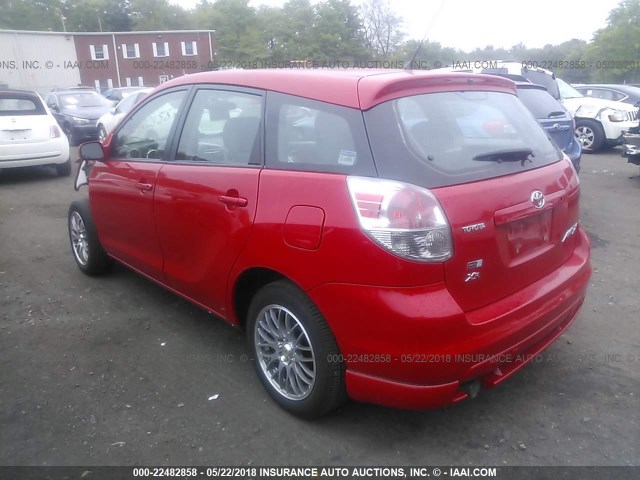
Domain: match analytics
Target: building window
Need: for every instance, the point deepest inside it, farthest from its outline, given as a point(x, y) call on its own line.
point(139, 80)
point(99, 52)
point(189, 48)
point(161, 49)
point(103, 85)
point(130, 50)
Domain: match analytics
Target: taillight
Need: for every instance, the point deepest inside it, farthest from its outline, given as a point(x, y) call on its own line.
point(403, 218)
point(54, 132)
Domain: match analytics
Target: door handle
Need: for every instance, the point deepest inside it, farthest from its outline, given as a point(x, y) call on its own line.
point(144, 187)
point(233, 201)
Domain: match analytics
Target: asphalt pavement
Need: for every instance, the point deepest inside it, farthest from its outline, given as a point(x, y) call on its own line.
point(118, 371)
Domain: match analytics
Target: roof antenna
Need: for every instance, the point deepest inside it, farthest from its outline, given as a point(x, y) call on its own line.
point(409, 66)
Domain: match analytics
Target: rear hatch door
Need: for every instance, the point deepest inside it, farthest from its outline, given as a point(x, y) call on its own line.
point(509, 196)
point(23, 118)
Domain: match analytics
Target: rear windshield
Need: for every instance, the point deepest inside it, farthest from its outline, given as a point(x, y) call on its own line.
point(13, 105)
point(449, 138)
point(540, 103)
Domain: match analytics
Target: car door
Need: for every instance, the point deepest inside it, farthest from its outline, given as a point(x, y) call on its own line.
point(205, 199)
point(121, 188)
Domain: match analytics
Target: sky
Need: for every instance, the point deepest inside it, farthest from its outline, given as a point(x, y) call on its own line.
point(470, 24)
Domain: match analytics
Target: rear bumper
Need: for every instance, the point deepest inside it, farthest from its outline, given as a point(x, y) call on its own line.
point(28, 155)
point(414, 347)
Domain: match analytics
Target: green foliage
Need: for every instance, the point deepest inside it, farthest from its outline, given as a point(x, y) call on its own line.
point(45, 15)
point(330, 32)
point(615, 50)
point(159, 15)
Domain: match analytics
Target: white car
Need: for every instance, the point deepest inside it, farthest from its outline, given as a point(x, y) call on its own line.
point(599, 122)
point(29, 133)
point(109, 120)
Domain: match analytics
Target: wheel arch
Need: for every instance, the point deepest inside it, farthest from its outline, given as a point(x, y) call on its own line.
point(246, 285)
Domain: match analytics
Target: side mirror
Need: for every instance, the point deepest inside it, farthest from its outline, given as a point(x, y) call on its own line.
point(92, 151)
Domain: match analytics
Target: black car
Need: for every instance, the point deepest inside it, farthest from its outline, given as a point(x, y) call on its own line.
point(621, 93)
point(77, 112)
point(553, 117)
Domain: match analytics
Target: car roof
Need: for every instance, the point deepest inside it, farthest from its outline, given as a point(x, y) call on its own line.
point(355, 88)
point(14, 91)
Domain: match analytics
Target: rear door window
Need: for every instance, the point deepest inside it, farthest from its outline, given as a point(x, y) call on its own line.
point(316, 136)
point(449, 138)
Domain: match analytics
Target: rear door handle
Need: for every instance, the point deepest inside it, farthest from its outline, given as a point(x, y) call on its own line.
point(144, 187)
point(233, 201)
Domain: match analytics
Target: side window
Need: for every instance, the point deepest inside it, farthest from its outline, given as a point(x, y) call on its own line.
point(146, 133)
point(316, 136)
point(617, 96)
point(222, 127)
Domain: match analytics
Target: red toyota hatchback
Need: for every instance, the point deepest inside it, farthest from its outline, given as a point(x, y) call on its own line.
point(396, 237)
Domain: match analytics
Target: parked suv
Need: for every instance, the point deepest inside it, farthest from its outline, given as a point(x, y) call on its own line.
point(553, 117)
point(620, 93)
point(396, 237)
point(599, 122)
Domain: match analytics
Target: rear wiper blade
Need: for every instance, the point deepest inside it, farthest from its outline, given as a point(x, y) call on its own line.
point(556, 114)
point(500, 156)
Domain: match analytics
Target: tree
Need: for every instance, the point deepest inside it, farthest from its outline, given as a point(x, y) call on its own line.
point(382, 27)
point(338, 34)
point(614, 51)
point(159, 15)
point(237, 29)
point(45, 15)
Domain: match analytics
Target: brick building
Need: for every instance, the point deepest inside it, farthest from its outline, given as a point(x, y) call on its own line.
point(44, 60)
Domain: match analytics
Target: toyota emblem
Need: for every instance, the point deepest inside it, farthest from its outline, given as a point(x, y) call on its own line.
point(537, 198)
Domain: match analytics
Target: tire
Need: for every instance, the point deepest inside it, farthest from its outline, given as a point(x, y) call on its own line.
point(281, 314)
point(102, 133)
point(64, 169)
point(590, 134)
point(85, 245)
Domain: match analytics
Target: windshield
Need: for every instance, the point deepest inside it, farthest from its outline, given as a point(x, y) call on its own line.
point(83, 100)
point(566, 90)
point(449, 138)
